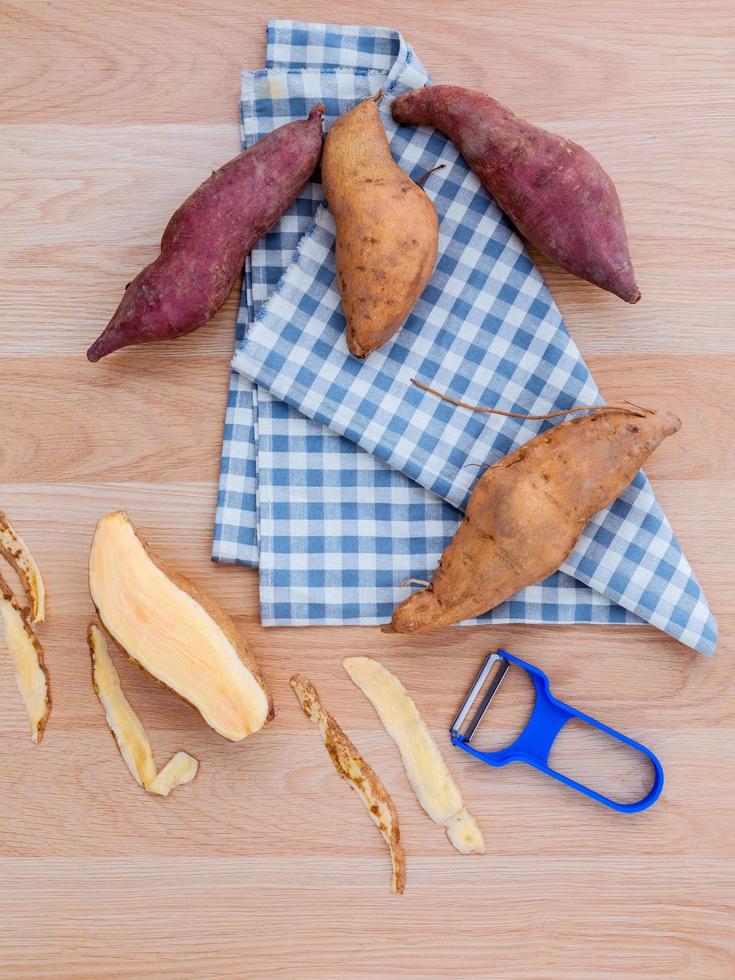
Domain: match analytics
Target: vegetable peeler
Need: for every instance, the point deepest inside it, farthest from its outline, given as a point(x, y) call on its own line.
point(535, 742)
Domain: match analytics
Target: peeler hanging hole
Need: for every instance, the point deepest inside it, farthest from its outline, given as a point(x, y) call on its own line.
point(601, 762)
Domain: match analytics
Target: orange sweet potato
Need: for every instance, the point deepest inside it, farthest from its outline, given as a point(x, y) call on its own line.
point(206, 241)
point(387, 229)
point(555, 192)
point(528, 510)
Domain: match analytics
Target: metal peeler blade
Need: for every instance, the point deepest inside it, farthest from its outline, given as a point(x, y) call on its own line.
point(477, 685)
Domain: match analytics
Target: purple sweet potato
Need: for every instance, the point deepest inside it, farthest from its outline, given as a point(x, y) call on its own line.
point(206, 241)
point(554, 191)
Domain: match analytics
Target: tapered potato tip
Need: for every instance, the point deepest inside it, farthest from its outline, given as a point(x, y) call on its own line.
point(417, 614)
point(98, 350)
point(108, 342)
point(671, 423)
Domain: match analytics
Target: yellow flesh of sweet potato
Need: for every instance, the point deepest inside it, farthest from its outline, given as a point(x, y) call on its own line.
point(425, 767)
point(355, 770)
point(130, 735)
point(174, 631)
point(15, 551)
point(27, 656)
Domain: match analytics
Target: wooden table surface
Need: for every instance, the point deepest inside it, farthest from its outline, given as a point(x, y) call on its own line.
point(111, 113)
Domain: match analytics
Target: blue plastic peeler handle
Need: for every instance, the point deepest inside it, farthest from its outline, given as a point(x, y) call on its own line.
point(534, 744)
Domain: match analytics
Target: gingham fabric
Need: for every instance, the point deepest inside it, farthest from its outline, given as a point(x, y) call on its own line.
point(343, 521)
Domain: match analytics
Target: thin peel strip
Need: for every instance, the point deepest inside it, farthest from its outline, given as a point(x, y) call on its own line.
point(16, 552)
point(425, 767)
point(180, 769)
point(31, 676)
point(130, 736)
point(362, 777)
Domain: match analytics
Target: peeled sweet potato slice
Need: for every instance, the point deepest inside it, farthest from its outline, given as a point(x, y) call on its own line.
point(30, 671)
point(426, 769)
point(174, 631)
point(127, 729)
point(362, 778)
point(15, 551)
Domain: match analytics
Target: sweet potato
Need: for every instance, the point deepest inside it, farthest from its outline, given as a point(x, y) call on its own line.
point(528, 510)
point(554, 191)
point(174, 631)
point(206, 241)
point(387, 229)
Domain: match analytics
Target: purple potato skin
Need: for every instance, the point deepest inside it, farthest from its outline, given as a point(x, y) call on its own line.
point(206, 241)
point(554, 191)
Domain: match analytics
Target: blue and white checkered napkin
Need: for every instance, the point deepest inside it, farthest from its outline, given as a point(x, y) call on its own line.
point(341, 477)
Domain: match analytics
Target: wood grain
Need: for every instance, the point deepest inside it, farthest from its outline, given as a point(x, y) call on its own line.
point(266, 866)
